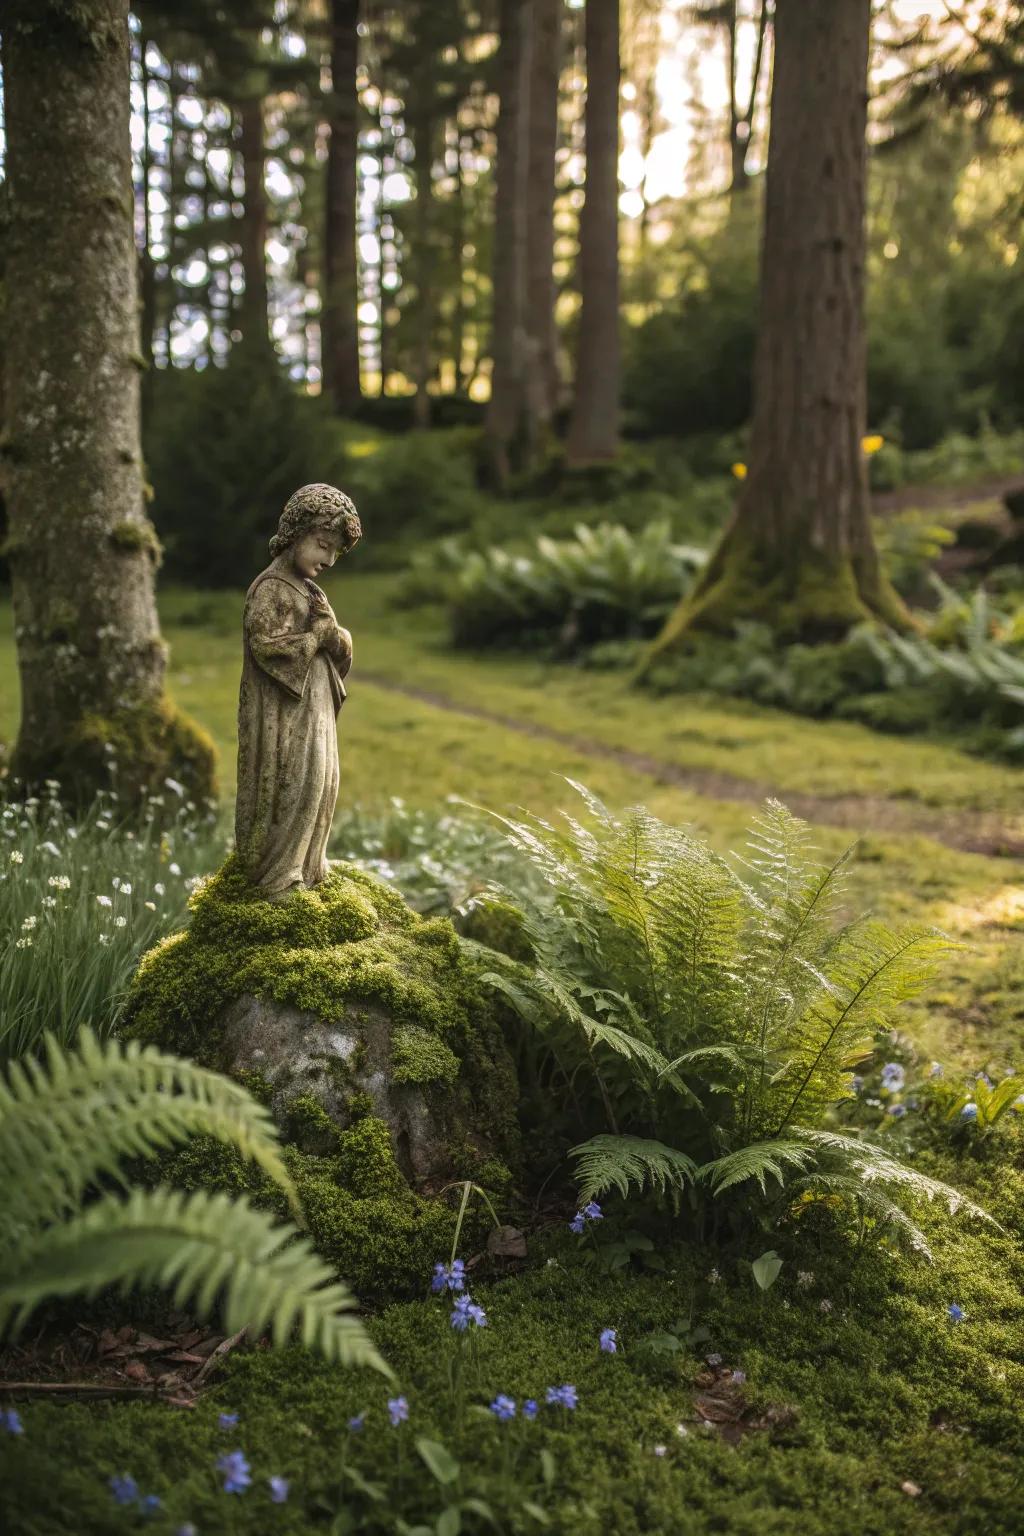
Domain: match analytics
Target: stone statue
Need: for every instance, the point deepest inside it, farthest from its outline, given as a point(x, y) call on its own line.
point(296, 655)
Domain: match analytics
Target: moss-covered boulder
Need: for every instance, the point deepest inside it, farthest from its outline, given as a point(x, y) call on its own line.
point(342, 1009)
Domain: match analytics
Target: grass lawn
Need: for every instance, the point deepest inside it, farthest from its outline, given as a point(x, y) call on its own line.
point(865, 1408)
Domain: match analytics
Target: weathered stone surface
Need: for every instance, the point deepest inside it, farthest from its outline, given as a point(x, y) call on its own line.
point(301, 1056)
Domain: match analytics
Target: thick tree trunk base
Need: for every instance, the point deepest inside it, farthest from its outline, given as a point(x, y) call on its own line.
point(133, 753)
point(817, 601)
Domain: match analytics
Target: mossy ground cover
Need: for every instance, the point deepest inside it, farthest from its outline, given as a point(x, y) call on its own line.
point(865, 1407)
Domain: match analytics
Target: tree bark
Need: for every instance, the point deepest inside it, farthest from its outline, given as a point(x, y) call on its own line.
point(799, 553)
point(82, 552)
point(508, 429)
point(594, 427)
point(339, 324)
point(254, 308)
point(540, 233)
point(421, 130)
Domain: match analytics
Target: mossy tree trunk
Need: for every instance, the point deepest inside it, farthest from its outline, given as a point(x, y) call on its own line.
point(799, 554)
point(82, 550)
point(339, 325)
point(594, 425)
point(254, 316)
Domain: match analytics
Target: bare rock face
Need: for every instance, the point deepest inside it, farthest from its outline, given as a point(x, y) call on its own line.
point(306, 1060)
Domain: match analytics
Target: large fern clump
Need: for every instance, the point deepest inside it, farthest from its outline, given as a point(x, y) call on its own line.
point(704, 1020)
point(68, 1224)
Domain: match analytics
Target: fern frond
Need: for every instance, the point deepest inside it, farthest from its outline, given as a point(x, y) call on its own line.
point(873, 1165)
point(761, 1160)
point(870, 1200)
point(203, 1247)
point(619, 1162)
point(68, 1121)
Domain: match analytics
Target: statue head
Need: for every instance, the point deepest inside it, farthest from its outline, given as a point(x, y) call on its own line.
point(318, 509)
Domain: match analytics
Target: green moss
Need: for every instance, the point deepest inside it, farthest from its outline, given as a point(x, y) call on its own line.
point(419, 1057)
point(346, 949)
point(152, 742)
point(134, 534)
point(813, 600)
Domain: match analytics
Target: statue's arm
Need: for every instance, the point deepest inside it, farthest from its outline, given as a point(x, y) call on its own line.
point(275, 618)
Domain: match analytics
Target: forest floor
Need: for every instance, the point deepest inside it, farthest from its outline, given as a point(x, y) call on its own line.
point(864, 1411)
point(939, 833)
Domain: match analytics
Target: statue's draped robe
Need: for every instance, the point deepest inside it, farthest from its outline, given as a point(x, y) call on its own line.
point(290, 695)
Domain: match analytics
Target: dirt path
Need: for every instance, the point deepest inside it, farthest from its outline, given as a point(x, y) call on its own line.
point(967, 831)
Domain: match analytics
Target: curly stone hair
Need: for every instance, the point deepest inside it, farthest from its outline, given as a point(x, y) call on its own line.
point(317, 506)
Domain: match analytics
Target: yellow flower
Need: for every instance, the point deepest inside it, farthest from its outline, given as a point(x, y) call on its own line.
point(740, 471)
point(871, 444)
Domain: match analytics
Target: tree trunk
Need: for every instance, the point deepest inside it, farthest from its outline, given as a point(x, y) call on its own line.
point(594, 428)
point(254, 311)
point(421, 130)
point(799, 553)
point(540, 233)
point(82, 551)
point(147, 266)
point(508, 429)
point(339, 324)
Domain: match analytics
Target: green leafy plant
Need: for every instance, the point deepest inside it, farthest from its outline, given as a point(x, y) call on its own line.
point(604, 583)
point(715, 1011)
point(65, 1128)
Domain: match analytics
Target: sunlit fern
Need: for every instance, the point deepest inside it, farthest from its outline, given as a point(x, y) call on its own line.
point(718, 1010)
point(67, 1124)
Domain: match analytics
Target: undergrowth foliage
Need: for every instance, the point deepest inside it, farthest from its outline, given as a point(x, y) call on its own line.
point(704, 1020)
point(66, 1127)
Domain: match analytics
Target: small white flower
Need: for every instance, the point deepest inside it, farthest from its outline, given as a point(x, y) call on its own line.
point(29, 922)
point(32, 802)
point(52, 783)
point(25, 943)
point(156, 799)
point(72, 832)
point(126, 889)
point(824, 1305)
point(104, 901)
point(159, 888)
point(17, 857)
point(174, 787)
point(103, 826)
point(49, 901)
point(150, 906)
point(174, 869)
point(804, 1278)
point(660, 1450)
point(104, 938)
point(713, 1277)
point(49, 847)
point(60, 882)
point(120, 922)
point(682, 1431)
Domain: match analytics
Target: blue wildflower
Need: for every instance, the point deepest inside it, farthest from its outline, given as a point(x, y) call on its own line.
point(738, 1378)
point(561, 1397)
point(227, 1420)
point(188, 1529)
point(592, 1211)
point(897, 1110)
point(278, 1489)
point(956, 1314)
point(608, 1340)
point(150, 1504)
point(504, 1408)
point(935, 1070)
point(356, 1423)
point(449, 1278)
point(124, 1488)
point(856, 1083)
point(577, 1223)
point(530, 1408)
point(465, 1312)
point(10, 1421)
point(969, 1112)
point(398, 1411)
point(236, 1470)
point(893, 1076)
